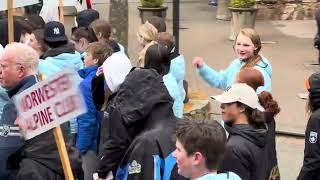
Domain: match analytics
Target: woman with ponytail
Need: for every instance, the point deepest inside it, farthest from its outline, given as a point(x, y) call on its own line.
point(244, 121)
point(311, 162)
point(247, 47)
point(254, 79)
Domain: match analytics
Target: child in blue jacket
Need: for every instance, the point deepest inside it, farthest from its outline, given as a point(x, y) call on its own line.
point(89, 123)
point(247, 47)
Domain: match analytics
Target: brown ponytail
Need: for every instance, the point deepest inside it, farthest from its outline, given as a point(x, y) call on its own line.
point(251, 62)
point(269, 104)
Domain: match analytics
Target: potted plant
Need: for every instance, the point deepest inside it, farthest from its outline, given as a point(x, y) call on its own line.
point(152, 8)
point(243, 15)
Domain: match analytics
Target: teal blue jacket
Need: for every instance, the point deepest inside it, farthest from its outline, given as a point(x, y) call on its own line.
point(174, 83)
point(52, 65)
point(225, 78)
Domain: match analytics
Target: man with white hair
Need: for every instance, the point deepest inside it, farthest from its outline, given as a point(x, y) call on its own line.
point(37, 158)
point(18, 69)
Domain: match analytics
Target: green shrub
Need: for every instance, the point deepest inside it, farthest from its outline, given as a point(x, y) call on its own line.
point(242, 3)
point(151, 3)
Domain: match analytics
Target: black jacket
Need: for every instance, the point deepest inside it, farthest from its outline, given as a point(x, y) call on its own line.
point(9, 144)
point(150, 154)
point(245, 152)
point(66, 48)
point(271, 151)
point(136, 102)
point(311, 163)
point(41, 160)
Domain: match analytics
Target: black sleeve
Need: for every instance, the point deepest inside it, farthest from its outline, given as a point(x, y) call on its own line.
point(116, 145)
point(311, 162)
point(97, 90)
point(234, 161)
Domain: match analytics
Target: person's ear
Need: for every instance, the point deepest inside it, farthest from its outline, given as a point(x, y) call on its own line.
point(21, 70)
point(197, 158)
point(95, 61)
point(82, 42)
point(242, 109)
point(99, 35)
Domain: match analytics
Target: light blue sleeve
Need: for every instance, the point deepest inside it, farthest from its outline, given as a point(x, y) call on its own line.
point(214, 78)
point(267, 82)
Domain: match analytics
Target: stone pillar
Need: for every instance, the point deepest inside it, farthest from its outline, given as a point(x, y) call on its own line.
point(223, 13)
point(118, 17)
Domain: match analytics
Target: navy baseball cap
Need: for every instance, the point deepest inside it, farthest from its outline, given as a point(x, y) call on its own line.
point(54, 32)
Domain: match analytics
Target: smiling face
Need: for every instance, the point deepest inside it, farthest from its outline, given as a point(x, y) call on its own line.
point(244, 47)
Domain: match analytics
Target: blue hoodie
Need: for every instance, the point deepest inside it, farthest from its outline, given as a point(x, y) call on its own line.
point(88, 123)
point(222, 176)
point(174, 83)
point(225, 78)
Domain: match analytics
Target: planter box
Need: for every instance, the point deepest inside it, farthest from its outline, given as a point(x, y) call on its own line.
point(241, 18)
point(145, 13)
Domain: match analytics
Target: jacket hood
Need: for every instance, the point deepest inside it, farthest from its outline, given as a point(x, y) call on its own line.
point(265, 65)
point(115, 69)
point(83, 73)
point(141, 92)
point(256, 136)
point(60, 62)
point(177, 68)
point(85, 17)
point(67, 48)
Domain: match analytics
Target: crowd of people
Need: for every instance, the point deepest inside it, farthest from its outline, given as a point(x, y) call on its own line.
point(133, 112)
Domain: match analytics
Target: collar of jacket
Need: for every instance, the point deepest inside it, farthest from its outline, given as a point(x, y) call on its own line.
point(86, 71)
point(67, 48)
point(26, 82)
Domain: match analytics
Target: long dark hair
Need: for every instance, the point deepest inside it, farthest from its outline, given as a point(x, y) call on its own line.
point(255, 117)
point(158, 58)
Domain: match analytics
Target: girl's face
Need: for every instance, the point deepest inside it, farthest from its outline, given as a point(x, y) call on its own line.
point(34, 43)
point(79, 45)
point(230, 112)
point(140, 40)
point(25, 38)
point(244, 47)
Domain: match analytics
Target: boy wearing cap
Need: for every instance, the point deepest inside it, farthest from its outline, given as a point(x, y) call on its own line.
point(200, 146)
point(245, 151)
point(61, 54)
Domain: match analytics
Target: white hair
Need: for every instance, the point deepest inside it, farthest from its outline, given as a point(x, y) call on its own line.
point(24, 55)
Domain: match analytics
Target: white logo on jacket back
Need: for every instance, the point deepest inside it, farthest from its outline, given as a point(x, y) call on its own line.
point(313, 137)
